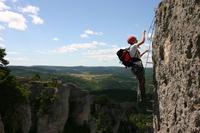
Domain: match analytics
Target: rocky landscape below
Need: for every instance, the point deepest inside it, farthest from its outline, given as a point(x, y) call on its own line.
point(68, 109)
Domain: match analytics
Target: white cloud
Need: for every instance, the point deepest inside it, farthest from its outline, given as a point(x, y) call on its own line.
point(79, 46)
point(30, 9)
point(3, 6)
point(84, 36)
point(36, 20)
point(99, 51)
point(89, 32)
point(14, 20)
point(107, 54)
point(32, 12)
point(55, 38)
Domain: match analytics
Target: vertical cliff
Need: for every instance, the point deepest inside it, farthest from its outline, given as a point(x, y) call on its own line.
point(176, 53)
point(49, 107)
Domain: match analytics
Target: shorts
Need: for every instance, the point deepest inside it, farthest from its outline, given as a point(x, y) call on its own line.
point(138, 70)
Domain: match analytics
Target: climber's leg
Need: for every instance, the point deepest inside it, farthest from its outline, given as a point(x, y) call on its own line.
point(138, 70)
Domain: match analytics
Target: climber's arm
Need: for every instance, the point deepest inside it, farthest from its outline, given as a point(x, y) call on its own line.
point(144, 53)
point(127, 48)
point(143, 39)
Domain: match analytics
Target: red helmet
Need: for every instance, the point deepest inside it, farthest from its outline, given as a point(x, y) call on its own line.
point(132, 40)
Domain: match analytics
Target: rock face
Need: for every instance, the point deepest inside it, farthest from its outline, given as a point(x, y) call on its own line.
point(80, 102)
point(110, 117)
point(50, 107)
point(90, 114)
point(176, 57)
point(53, 121)
point(22, 119)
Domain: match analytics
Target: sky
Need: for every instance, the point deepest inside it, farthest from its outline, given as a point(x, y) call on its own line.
point(72, 32)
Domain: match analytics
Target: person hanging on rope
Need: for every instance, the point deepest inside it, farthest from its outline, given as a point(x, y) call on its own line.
point(137, 66)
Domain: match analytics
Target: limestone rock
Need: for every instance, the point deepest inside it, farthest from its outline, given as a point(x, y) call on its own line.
point(176, 57)
point(53, 121)
point(80, 102)
point(22, 118)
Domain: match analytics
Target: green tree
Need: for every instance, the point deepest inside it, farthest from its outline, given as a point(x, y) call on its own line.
point(4, 72)
point(3, 62)
point(36, 77)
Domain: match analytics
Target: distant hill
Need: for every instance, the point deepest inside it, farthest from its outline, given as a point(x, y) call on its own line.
point(98, 80)
point(75, 70)
point(60, 69)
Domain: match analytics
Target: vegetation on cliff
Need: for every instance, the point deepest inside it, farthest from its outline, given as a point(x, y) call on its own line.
point(12, 94)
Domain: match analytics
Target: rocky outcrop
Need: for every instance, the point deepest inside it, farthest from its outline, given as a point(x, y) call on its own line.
point(110, 117)
point(80, 104)
point(46, 112)
point(54, 119)
point(176, 57)
point(22, 119)
point(50, 107)
point(18, 121)
point(91, 114)
point(65, 108)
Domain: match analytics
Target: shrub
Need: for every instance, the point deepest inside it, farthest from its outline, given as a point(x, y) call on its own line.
point(142, 121)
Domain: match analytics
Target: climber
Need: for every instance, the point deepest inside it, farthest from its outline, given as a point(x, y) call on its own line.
point(137, 66)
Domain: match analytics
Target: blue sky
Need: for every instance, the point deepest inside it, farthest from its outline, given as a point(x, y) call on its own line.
point(71, 32)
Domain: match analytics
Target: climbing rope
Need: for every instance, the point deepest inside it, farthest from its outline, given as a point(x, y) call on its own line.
point(151, 32)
